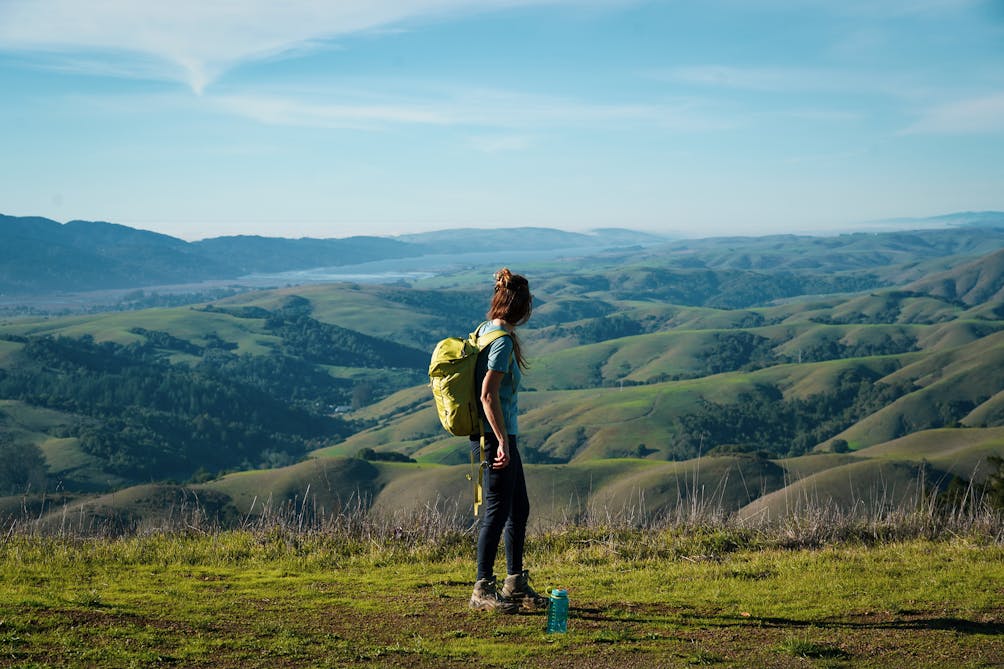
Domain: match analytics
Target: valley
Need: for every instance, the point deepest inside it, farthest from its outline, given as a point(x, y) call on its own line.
point(749, 376)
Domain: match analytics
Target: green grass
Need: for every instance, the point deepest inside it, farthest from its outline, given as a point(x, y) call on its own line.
point(326, 484)
point(866, 487)
point(8, 348)
point(670, 598)
point(28, 418)
point(800, 646)
point(184, 322)
point(961, 451)
point(877, 484)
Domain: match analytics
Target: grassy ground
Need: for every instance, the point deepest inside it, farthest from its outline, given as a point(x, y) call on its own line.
point(639, 599)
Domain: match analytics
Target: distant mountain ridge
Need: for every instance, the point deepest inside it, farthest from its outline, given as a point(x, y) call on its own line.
point(39, 255)
point(957, 219)
point(251, 254)
point(447, 241)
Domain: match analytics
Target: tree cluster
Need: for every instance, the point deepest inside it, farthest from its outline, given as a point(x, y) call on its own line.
point(150, 419)
point(763, 420)
point(382, 456)
point(326, 344)
point(734, 351)
point(22, 467)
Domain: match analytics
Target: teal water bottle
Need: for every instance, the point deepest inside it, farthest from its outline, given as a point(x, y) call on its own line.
point(557, 611)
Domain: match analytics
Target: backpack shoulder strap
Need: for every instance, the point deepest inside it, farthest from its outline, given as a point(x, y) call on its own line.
point(488, 338)
point(484, 340)
point(481, 341)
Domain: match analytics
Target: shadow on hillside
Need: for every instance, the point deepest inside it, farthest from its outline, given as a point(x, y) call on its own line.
point(912, 621)
point(959, 625)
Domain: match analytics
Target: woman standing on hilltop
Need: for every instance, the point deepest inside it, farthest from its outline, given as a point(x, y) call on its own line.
point(507, 506)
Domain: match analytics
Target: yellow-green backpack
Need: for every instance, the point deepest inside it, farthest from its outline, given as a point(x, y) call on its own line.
point(452, 378)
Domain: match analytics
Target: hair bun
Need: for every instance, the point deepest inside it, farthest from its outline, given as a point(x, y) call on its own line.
point(503, 277)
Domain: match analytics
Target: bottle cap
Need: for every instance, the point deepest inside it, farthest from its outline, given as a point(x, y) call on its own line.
point(559, 592)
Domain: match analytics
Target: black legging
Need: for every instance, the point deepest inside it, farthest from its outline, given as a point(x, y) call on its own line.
point(506, 509)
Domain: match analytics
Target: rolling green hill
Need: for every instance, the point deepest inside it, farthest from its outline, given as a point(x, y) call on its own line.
point(960, 452)
point(875, 486)
point(728, 372)
point(974, 283)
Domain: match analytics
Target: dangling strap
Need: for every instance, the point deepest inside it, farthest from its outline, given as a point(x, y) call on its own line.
point(479, 492)
point(478, 477)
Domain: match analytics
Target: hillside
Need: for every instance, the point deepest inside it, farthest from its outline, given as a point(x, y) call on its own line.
point(742, 373)
point(974, 283)
point(251, 254)
point(39, 256)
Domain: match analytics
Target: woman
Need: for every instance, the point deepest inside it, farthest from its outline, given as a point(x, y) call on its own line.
point(506, 507)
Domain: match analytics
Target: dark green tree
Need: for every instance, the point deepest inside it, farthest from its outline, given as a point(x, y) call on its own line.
point(22, 467)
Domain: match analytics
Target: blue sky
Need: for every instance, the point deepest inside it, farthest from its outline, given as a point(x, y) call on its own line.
point(200, 118)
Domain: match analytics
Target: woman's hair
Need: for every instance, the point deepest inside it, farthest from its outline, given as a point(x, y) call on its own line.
point(513, 303)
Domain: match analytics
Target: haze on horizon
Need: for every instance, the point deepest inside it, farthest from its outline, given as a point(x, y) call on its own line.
point(203, 118)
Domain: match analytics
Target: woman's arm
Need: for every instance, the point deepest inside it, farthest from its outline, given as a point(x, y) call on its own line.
point(493, 412)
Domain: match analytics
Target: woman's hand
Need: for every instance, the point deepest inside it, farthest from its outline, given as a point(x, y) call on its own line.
point(501, 457)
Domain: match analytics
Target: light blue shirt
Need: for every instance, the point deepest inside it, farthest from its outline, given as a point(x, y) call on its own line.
point(498, 356)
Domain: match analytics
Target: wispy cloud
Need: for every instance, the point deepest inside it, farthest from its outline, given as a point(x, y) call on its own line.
point(864, 8)
point(826, 158)
point(459, 107)
point(976, 106)
point(500, 143)
point(791, 79)
point(294, 112)
point(981, 115)
point(195, 41)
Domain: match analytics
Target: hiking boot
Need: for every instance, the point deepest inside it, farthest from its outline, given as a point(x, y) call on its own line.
point(517, 589)
point(486, 597)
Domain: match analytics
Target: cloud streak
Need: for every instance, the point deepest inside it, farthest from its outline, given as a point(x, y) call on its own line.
point(287, 111)
point(196, 41)
point(500, 143)
point(792, 80)
point(980, 115)
point(883, 9)
point(493, 109)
